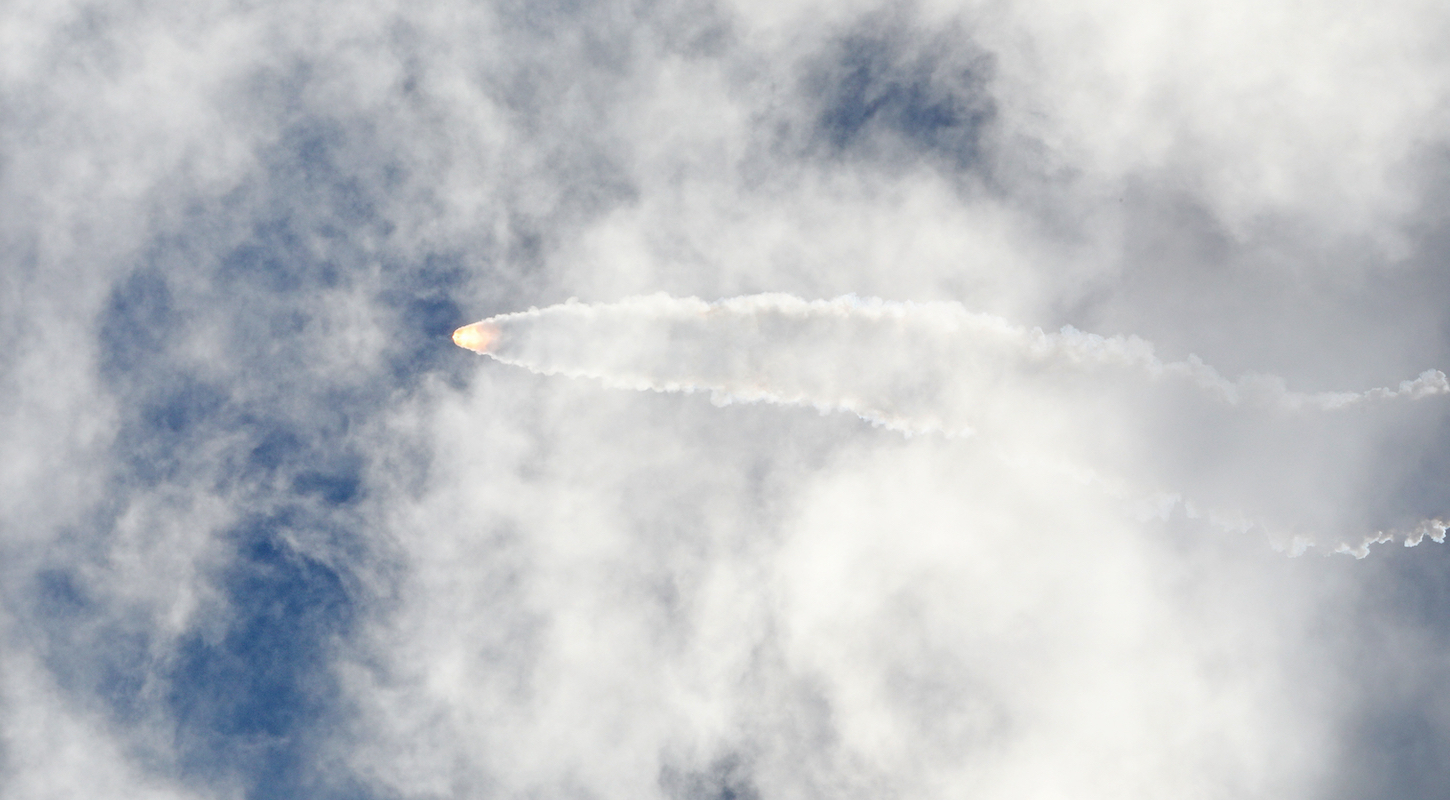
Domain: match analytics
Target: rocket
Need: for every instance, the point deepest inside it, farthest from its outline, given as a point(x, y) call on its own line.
point(478, 337)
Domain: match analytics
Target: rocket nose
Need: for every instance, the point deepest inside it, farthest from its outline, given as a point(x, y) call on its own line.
point(478, 337)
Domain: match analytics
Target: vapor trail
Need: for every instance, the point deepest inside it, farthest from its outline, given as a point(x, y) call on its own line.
point(936, 367)
point(912, 367)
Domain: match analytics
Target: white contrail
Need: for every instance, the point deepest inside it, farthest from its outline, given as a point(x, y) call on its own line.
point(852, 354)
point(930, 367)
point(1434, 528)
point(843, 354)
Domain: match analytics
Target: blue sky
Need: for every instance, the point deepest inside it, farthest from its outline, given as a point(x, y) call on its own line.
point(266, 533)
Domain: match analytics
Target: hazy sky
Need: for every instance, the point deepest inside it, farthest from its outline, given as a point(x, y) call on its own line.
point(266, 533)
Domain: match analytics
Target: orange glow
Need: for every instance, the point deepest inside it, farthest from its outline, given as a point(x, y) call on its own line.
point(477, 337)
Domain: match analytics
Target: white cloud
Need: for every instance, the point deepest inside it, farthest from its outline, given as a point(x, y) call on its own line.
point(562, 589)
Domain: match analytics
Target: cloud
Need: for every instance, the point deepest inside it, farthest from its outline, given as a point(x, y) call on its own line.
point(266, 533)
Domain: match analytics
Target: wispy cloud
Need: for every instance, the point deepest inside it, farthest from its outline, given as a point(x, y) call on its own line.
point(265, 533)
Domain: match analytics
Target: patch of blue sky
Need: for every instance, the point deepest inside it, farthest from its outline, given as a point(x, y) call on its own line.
point(253, 703)
point(251, 694)
point(884, 93)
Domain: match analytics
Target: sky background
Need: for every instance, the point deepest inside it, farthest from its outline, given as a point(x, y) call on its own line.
point(266, 533)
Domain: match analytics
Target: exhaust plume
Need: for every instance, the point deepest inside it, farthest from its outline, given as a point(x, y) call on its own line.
point(936, 367)
point(779, 348)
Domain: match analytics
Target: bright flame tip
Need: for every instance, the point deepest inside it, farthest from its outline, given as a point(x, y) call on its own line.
point(478, 337)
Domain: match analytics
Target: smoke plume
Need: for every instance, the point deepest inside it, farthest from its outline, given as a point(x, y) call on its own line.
point(1096, 403)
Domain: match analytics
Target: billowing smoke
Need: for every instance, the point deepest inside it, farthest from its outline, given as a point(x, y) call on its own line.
point(1235, 456)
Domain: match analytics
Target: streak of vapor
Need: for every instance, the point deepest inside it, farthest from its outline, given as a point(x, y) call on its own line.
point(916, 368)
point(730, 349)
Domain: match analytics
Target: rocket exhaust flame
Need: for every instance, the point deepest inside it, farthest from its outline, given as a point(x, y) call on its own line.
point(478, 337)
point(937, 368)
